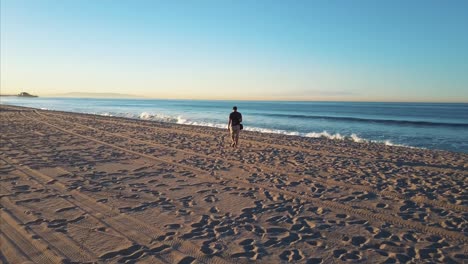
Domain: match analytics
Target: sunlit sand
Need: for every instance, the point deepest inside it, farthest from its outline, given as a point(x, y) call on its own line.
point(85, 188)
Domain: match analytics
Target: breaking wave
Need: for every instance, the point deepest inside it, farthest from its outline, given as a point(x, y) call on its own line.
point(184, 121)
point(157, 117)
point(370, 120)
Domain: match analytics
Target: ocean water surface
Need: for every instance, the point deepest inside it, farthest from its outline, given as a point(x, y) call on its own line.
point(439, 126)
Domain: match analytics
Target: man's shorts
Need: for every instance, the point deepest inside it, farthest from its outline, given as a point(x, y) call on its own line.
point(235, 130)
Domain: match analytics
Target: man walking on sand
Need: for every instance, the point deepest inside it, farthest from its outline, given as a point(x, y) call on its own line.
point(234, 126)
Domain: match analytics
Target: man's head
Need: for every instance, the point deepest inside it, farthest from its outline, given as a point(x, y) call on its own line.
point(234, 108)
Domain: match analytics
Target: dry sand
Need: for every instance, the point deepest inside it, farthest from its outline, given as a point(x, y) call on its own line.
point(85, 188)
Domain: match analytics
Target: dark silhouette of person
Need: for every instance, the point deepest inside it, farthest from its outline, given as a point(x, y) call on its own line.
point(234, 126)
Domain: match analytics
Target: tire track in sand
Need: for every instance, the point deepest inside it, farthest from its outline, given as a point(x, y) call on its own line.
point(36, 250)
point(129, 227)
point(180, 129)
point(315, 201)
point(418, 199)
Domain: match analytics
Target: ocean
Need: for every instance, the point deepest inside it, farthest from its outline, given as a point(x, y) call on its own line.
point(440, 126)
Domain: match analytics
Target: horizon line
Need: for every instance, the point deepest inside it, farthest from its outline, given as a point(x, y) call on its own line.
point(139, 97)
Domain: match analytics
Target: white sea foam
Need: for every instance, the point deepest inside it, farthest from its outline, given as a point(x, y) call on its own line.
point(325, 134)
point(274, 131)
point(157, 117)
point(389, 143)
point(185, 121)
point(145, 115)
point(356, 138)
point(353, 137)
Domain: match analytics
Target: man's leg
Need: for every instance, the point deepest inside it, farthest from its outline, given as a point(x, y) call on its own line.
point(237, 138)
point(233, 137)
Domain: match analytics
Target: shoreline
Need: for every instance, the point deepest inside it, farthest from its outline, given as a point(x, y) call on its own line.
point(94, 188)
point(268, 131)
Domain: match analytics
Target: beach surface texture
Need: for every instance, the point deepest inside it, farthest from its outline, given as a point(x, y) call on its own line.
point(84, 188)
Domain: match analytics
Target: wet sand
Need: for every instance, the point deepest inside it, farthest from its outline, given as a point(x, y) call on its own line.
point(85, 188)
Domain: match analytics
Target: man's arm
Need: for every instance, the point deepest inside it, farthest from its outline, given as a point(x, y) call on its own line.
point(229, 123)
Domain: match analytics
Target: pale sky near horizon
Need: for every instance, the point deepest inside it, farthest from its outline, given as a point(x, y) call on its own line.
point(261, 50)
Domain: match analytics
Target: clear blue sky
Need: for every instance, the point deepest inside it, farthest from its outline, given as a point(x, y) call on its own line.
point(286, 50)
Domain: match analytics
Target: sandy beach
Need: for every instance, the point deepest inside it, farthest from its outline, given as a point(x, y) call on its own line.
point(85, 189)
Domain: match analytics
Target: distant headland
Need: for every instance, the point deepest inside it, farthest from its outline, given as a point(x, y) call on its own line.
point(22, 94)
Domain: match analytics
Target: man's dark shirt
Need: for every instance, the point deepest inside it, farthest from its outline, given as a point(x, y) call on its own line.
point(235, 118)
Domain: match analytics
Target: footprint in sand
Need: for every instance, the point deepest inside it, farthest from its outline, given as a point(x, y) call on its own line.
point(159, 249)
point(214, 210)
point(184, 212)
point(187, 260)
point(65, 209)
point(381, 205)
point(358, 241)
point(314, 261)
point(337, 253)
point(165, 237)
point(172, 226)
point(316, 243)
point(291, 255)
point(210, 198)
point(351, 256)
point(319, 210)
point(383, 234)
point(249, 255)
point(342, 216)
